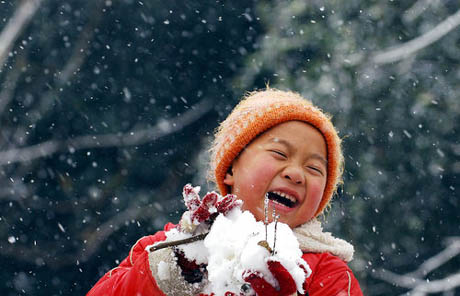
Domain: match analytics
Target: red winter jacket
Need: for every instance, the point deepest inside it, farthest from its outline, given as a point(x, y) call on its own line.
point(330, 275)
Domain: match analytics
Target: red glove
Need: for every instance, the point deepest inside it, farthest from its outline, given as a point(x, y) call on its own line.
point(200, 212)
point(262, 287)
point(209, 207)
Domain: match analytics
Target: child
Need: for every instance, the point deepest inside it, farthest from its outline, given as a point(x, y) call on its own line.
point(274, 144)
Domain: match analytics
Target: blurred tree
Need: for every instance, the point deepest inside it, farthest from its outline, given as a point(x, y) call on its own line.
point(103, 105)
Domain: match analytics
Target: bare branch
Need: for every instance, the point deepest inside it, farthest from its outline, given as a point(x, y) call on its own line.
point(39, 255)
point(29, 153)
point(92, 238)
point(397, 279)
point(417, 9)
point(72, 65)
point(79, 53)
point(9, 85)
point(400, 52)
point(137, 137)
point(446, 284)
point(405, 50)
point(178, 242)
point(17, 191)
point(13, 187)
point(415, 280)
point(439, 259)
point(15, 26)
point(135, 211)
point(99, 236)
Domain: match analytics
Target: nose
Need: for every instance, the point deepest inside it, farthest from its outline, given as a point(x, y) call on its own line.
point(294, 174)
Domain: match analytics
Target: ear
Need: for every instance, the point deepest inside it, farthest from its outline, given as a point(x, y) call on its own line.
point(229, 180)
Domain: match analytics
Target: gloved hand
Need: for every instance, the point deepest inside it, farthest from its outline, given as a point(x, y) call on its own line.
point(200, 211)
point(174, 273)
point(204, 211)
point(287, 285)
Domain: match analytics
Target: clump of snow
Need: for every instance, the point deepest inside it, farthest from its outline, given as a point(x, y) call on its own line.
point(231, 248)
point(232, 245)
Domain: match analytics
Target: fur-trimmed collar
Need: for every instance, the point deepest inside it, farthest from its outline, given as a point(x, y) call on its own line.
point(312, 239)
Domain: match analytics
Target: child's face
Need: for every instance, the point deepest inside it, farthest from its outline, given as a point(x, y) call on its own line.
point(289, 163)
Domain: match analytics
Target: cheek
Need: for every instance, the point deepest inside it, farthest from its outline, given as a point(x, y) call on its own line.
point(262, 175)
point(315, 191)
point(252, 183)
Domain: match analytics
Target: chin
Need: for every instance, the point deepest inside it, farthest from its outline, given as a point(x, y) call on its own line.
point(290, 223)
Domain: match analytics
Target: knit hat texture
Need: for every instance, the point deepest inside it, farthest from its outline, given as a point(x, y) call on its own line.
point(260, 111)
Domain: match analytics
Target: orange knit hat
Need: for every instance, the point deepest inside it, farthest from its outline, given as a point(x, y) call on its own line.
point(260, 111)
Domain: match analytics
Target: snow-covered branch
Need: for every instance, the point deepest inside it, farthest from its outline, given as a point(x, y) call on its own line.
point(416, 282)
point(15, 192)
point(9, 85)
point(79, 53)
point(452, 250)
point(417, 9)
point(397, 279)
point(15, 26)
point(446, 284)
point(99, 235)
point(400, 52)
point(135, 137)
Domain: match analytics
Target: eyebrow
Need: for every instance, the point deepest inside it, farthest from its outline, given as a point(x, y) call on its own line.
point(290, 146)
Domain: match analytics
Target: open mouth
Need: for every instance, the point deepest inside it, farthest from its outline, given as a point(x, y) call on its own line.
point(282, 198)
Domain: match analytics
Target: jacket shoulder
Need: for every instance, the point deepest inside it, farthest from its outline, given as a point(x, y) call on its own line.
point(330, 276)
point(133, 275)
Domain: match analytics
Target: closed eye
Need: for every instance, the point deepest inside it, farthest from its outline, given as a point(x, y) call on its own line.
point(278, 153)
point(318, 170)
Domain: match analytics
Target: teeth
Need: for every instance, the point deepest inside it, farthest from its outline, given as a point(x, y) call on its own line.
point(287, 196)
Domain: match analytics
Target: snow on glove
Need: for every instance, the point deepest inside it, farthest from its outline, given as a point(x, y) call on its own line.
point(191, 271)
point(287, 285)
point(174, 272)
point(169, 274)
point(226, 294)
point(204, 211)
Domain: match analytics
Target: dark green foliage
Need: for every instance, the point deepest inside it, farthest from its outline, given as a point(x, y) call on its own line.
point(92, 68)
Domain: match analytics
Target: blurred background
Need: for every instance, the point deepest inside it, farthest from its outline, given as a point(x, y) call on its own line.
point(107, 108)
